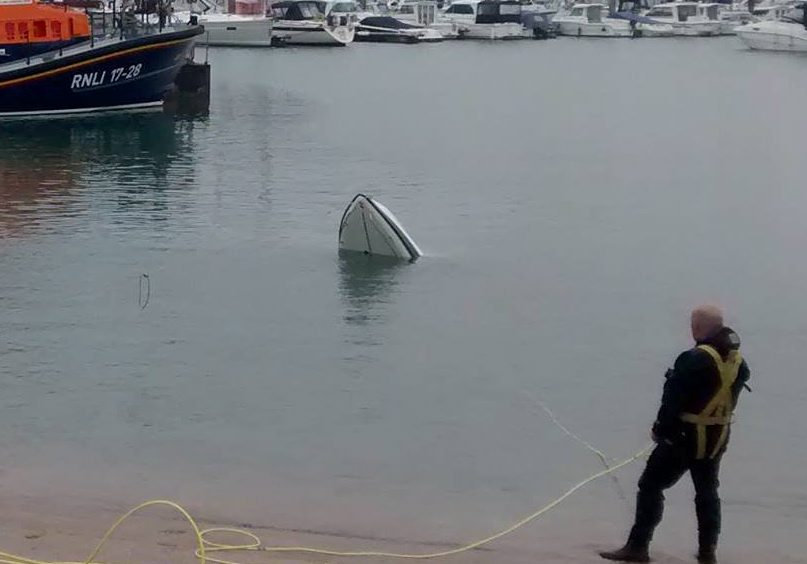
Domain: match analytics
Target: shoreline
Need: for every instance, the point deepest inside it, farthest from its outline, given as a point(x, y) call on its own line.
point(68, 528)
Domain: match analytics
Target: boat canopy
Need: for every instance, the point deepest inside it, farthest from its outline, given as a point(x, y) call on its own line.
point(306, 10)
point(494, 11)
point(25, 23)
point(798, 14)
point(386, 22)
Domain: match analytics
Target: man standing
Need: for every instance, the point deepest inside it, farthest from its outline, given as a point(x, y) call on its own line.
point(691, 433)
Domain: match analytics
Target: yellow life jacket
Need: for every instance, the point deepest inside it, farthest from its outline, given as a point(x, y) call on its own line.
point(720, 408)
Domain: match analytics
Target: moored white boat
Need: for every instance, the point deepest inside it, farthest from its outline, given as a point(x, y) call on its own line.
point(727, 16)
point(386, 29)
point(426, 14)
point(678, 19)
point(302, 22)
point(232, 30)
point(232, 23)
point(787, 34)
point(376, 26)
point(487, 19)
point(590, 20)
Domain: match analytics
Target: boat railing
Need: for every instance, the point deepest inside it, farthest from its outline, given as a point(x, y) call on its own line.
point(130, 19)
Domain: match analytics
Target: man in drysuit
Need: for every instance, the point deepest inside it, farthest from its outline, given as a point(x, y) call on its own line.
point(691, 433)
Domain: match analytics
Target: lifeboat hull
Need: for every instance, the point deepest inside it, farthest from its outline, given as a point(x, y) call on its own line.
point(112, 74)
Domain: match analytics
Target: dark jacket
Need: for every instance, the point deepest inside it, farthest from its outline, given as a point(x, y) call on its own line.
point(690, 386)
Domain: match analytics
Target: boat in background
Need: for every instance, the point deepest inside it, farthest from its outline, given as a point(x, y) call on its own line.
point(423, 13)
point(680, 19)
point(238, 23)
point(591, 20)
point(305, 22)
point(50, 66)
point(234, 30)
point(726, 15)
point(537, 16)
point(376, 24)
point(771, 11)
point(786, 34)
point(386, 29)
point(487, 19)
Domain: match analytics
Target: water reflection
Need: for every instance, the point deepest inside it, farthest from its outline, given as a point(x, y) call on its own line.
point(366, 285)
point(60, 168)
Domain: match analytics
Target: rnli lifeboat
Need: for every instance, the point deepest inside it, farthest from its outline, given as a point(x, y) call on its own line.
point(54, 60)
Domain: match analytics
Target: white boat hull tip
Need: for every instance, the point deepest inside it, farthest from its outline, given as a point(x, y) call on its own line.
point(368, 227)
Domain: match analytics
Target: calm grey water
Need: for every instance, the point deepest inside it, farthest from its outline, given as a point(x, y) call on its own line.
point(574, 198)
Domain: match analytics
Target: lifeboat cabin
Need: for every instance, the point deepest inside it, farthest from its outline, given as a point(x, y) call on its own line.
point(28, 28)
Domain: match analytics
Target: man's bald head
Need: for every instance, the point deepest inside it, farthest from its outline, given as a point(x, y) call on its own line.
point(706, 321)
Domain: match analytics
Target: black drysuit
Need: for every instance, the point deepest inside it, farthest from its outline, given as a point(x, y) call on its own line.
point(689, 388)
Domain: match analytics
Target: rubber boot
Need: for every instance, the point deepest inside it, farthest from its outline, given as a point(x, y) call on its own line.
point(707, 555)
point(628, 553)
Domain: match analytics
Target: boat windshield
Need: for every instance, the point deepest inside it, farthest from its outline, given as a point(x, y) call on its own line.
point(498, 12)
point(577, 12)
point(660, 13)
point(711, 12)
point(345, 8)
point(460, 9)
point(687, 11)
point(297, 11)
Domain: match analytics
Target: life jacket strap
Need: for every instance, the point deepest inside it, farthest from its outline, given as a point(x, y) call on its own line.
point(720, 409)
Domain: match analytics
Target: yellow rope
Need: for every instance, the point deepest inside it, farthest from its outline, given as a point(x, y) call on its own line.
point(207, 547)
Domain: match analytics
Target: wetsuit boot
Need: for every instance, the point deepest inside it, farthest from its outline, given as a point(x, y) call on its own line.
point(706, 555)
point(628, 553)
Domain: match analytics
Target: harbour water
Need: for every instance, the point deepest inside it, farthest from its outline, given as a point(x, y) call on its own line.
point(574, 199)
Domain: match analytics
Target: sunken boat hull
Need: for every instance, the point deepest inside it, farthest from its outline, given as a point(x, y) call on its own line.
point(368, 227)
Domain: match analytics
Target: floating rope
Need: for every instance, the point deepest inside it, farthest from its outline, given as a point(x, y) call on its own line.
point(143, 298)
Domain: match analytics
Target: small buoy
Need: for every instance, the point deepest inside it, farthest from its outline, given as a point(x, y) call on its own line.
point(369, 227)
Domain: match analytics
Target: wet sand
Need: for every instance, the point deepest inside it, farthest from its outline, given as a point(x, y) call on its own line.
point(68, 528)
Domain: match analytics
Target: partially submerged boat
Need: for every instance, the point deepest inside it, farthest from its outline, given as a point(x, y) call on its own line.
point(369, 227)
point(58, 60)
point(789, 33)
point(305, 22)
